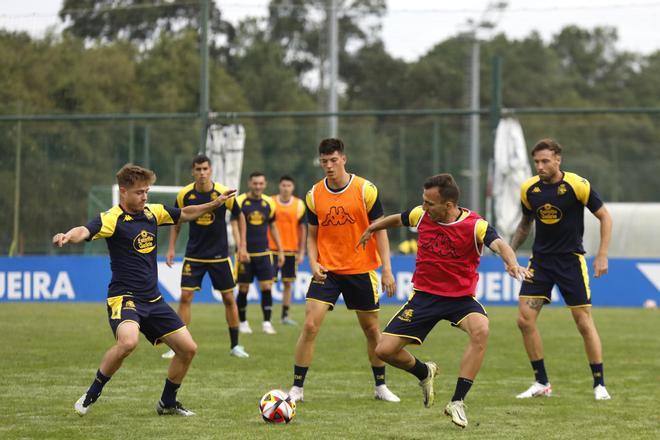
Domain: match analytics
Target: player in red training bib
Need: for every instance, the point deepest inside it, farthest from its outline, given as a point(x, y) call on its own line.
point(449, 245)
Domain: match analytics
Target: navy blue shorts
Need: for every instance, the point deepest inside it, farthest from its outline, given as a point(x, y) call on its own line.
point(288, 270)
point(260, 266)
point(568, 271)
point(155, 318)
point(360, 291)
point(421, 313)
point(220, 271)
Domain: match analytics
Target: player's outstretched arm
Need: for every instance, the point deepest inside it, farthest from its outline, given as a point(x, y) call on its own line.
point(74, 235)
point(383, 223)
point(600, 262)
point(174, 234)
point(511, 265)
point(192, 212)
point(522, 231)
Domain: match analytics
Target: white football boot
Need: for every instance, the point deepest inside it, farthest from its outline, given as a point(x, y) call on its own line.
point(537, 389)
point(79, 406)
point(176, 410)
point(268, 328)
point(427, 384)
point(296, 394)
point(456, 410)
point(244, 327)
point(381, 392)
point(600, 393)
point(168, 354)
point(239, 352)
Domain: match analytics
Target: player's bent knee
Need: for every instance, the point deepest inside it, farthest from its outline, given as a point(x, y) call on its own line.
point(126, 345)
point(384, 351)
point(311, 328)
point(524, 323)
point(187, 296)
point(228, 298)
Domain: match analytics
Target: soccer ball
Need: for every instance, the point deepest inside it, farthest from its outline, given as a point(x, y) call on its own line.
point(277, 407)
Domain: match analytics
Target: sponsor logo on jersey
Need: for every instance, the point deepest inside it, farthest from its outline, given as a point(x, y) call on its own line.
point(337, 216)
point(440, 244)
point(549, 214)
point(206, 219)
point(255, 218)
point(145, 242)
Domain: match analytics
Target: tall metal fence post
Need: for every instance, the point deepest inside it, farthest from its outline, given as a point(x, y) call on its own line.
point(403, 204)
point(13, 248)
point(204, 74)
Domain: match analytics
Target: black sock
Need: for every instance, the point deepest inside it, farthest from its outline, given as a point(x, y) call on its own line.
point(285, 312)
point(241, 302)
point(597, 372)
point(233, 337)
point(419, 370)
point(95, 389)
point(299, 374)
point(379, 374)
point(539, 371)
point(168, 398)
point(266, 303)
point(462, 387)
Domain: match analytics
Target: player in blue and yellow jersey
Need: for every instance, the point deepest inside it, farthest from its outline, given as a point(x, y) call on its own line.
point(554, 201)
point(450, 243)
point(207, 249)
point(291, 220)
point(339, 209)
point(259, 211)
point(134, 302)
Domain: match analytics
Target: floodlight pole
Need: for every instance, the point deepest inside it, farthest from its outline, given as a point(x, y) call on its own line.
point(475, 151)
point(204, 74)
point(334, 62)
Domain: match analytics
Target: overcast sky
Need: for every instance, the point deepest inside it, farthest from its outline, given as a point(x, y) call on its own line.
point(412, 27)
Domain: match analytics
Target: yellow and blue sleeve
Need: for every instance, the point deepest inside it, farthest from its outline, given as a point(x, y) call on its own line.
point(485, 233)
point(524, 188)
point(413, 216)
point(181, 196)
point(581, 186)
point(104, 225)
point(164, 216)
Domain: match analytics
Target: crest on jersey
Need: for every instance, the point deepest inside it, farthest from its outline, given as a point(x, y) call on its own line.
point(148, 214)
point(561, 190)
point(337, 216)
point(406, 315)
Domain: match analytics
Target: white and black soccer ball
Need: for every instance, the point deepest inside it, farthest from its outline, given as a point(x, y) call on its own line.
point(277, 407)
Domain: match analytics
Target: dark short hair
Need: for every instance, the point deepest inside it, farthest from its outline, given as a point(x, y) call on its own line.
point(447, 186)
point(130, 174)
point(256, 174)
point(547, 144)
point(330, 145)
point(288, 178)
point(199, 159)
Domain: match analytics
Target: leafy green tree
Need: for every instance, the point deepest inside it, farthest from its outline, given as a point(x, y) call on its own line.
point(137, 20)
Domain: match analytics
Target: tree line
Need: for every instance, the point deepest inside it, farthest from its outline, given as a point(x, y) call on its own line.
point(128, 56)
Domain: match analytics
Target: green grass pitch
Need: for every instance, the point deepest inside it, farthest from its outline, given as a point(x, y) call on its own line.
point(50, 353)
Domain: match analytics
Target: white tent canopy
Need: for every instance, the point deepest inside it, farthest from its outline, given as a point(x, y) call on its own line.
point(511, 169)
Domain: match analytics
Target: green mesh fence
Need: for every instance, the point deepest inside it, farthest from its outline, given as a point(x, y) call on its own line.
point(68, 166)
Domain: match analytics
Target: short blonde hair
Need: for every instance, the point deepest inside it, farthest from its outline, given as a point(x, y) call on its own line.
point(130, 174)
